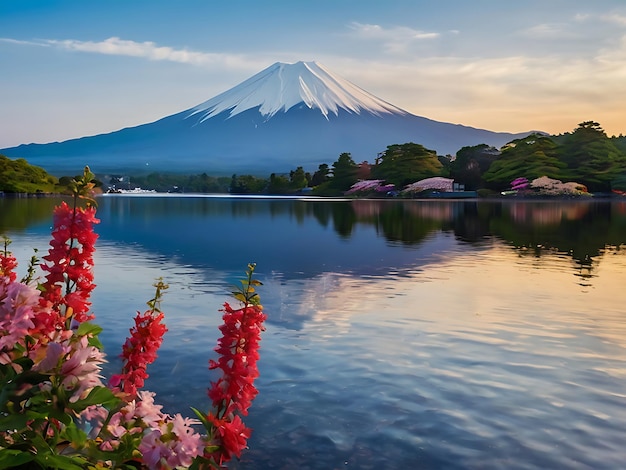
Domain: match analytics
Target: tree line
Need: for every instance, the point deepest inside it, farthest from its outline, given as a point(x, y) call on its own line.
point(586, 155)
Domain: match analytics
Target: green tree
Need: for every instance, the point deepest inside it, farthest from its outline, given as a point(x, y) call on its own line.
point(298, 179)
point(344, 173)
point(321, 175)
point(278, 184)
point(620, 142)
point(530, 157)
point(247, 184)
point(471, 163)
point(591, 157)
point(402, 164)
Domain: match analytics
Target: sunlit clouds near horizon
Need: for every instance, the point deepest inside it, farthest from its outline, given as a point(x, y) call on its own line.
point(503, 68)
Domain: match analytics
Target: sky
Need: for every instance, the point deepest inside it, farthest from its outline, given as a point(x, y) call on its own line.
point(72, 68)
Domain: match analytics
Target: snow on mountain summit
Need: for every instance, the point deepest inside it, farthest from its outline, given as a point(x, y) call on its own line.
point(283, 86)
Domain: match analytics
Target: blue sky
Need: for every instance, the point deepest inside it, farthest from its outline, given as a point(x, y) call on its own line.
point(74, 68)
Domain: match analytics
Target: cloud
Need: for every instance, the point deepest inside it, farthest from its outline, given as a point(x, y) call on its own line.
point(615, 18)
point(547, 30)
point(23, 43)
point(146, 50)
point(395, 33)
point(395, 40)
point(552, 92)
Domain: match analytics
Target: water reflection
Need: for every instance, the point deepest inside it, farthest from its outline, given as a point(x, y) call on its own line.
point(581, 230)
point(401, 334)
point(17, 214)
point(248, 229)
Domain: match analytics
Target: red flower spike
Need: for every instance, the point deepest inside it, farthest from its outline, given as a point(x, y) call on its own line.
point(234, 391)
point(70, 263)
point(7, 264)
point(139, 351)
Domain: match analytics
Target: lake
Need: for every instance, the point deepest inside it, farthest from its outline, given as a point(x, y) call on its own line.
point(401, 334)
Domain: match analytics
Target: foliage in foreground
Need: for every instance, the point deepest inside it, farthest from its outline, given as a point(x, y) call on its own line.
point(55, 409)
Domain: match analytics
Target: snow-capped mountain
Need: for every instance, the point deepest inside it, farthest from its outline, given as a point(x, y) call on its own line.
point(286, 116)
point(281, 86)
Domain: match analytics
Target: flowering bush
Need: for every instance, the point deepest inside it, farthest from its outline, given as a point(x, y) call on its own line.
point(55, 409)
point(436, 183)
point(520, 184)
point(367, 186)
point(544, 186)
point(553, 187)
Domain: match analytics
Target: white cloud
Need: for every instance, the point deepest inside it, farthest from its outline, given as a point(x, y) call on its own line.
point(395, 40)
point(615, 18)
point(148, 50)
point(547, 30)
point(615, 56)
point(22, 43)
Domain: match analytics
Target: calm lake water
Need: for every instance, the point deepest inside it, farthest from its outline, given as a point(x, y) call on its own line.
point(400, 334)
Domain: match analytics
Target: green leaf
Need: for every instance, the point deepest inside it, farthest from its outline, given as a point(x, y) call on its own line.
point(10, 458)
point(97, 396)
point(75, 435)
point(86, 328)
point(203, 419)
point(95, 342)
point(13, 421)
point(60, 415)
point(61, 462)
point(24, 362)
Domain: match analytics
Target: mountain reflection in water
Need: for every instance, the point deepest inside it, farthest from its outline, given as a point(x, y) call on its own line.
point(400, 334)
point(582, 229)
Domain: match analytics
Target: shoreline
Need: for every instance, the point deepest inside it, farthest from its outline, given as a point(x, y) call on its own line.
point(455, 196)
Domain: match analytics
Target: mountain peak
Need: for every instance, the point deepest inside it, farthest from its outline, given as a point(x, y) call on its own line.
point(282, 86)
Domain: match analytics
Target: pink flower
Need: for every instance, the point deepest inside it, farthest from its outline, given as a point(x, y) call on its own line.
point(172, 443)
point(187, 443)
point(364, 185)
point(149, 412)
point(17, 302)
point(81, 368)
point(53, 353)
point(153, 449)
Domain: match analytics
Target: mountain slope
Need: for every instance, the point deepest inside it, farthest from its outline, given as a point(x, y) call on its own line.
point(285, 116)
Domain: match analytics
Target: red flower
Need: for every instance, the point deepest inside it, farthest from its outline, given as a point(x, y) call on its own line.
point(69, 281)
point(238, 350)
point(233, 436)
point(7, 263)
point(139, 351)
point(235, 390)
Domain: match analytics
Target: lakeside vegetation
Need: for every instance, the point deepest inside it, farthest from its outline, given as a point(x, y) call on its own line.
point(18, 176)
point(586, 156)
